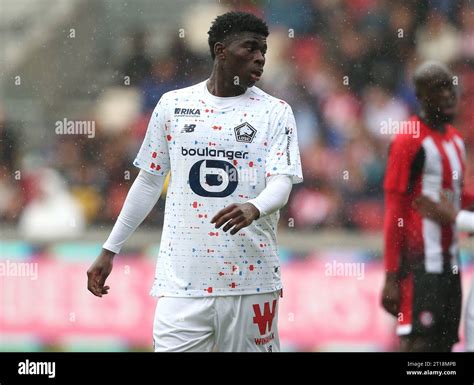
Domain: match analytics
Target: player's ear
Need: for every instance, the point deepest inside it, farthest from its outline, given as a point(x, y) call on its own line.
point(219, 51)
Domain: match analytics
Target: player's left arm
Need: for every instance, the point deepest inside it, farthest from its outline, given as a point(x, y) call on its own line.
point(467, 197)
point(282, 170)
point(272, 198)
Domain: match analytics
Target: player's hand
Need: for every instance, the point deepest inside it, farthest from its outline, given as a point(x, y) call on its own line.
point(236, 216)
point(443, 212)
point(98, 273)
point(391, 294)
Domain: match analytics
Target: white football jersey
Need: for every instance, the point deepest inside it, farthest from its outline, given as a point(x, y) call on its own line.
point(219, 151)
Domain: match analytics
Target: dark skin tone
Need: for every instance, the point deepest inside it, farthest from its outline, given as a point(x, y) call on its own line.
point(443, 212)
point(238, 65)
point(437, 96)
point(98, 273)
point(239, 59)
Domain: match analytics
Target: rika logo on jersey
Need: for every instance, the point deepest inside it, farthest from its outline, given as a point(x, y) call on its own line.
point(245, 133)
point(187, 112)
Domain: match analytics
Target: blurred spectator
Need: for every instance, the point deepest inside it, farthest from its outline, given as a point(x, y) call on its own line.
point(163, 79)
point(438, 39)
point(380, 106)
point(405, 89)
point(300, 16)
point(467, 38)
point(340, 111)
point(344, 66)
point(52, 213)
point(11, 197)
point(139, 64)
point(8, 142)
point(314, 206)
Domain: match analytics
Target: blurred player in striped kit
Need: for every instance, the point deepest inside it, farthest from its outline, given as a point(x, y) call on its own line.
point(422, 287)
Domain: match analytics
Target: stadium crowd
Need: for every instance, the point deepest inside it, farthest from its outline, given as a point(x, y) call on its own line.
point(342, 79)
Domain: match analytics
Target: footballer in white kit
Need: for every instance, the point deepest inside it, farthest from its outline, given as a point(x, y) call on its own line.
point(232, 153)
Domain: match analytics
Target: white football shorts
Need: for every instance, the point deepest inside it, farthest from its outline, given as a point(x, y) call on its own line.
point(236, 323)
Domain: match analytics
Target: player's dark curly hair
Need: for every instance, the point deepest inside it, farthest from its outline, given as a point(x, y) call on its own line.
point(234, 22)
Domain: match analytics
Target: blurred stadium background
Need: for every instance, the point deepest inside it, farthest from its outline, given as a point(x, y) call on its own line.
point(343, 65)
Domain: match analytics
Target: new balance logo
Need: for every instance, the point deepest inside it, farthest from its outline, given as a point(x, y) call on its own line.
point(265, 320)
point(187, 112)
point(188, 128)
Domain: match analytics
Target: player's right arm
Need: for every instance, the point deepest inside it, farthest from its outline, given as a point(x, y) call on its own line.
point(154, 161)
point(394, 238)
point(404, 161)
point(142, 197)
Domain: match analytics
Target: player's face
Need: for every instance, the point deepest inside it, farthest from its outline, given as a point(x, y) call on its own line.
point(441, 101)
point(245, 58)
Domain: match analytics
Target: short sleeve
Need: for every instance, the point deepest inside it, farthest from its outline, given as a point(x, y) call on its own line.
point(283, 157)
point(153, 156)
point(403, 159)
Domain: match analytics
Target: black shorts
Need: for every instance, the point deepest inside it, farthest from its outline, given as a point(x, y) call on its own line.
point(430, 305)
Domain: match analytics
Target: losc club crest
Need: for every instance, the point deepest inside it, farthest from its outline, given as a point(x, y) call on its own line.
point(244, 133)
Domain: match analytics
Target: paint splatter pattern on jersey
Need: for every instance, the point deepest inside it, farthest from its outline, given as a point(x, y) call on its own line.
point(218, 154)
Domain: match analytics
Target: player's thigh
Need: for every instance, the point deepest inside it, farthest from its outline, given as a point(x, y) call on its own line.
point(418, 343)
point(451, 310)
point(183, 324)
point(469, 323)
point(251, 325)
point(436, 307)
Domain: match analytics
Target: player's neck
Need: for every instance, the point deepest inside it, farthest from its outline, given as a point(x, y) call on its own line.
point(434, 124)
point(222, 86)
